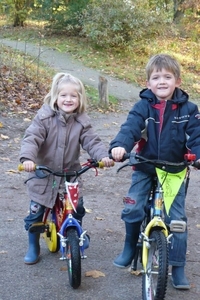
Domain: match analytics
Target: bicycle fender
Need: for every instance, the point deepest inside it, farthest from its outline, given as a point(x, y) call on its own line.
point(155, 222)
point(71, 222)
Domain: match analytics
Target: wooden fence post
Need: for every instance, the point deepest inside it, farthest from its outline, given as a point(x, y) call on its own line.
point(103, 91)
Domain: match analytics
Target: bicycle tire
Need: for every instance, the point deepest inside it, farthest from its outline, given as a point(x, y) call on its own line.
point(73, 258)
point(154, 286)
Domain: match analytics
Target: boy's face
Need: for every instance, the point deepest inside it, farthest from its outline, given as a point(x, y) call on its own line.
point(162, 84)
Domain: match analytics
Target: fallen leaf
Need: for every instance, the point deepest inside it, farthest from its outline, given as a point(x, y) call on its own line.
point(137, 272)
point(23, 112)
point(12, 171)
point(99, 218)
point(109, 230)
point(17, 140)
point(88, 210)
point(5, 158)
point(14, 188)
point(94, 274)
point(1, 125)
point(4, 137)
point(63, 269)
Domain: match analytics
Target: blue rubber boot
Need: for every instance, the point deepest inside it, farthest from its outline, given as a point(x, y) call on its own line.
point(86, 242)
point(132, 233)
point(179, 279)
point(32, 255)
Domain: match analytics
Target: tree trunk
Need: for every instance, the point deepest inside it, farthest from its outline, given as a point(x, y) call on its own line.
point(178, 10)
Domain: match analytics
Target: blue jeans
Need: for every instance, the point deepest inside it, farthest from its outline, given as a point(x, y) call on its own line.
point(37, 211)
point(134, 212)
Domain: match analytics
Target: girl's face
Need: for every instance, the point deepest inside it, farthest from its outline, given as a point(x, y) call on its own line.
point(68, 98)
point(162, 84)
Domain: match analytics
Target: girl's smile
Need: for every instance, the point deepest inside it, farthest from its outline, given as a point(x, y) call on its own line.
point(68, 98)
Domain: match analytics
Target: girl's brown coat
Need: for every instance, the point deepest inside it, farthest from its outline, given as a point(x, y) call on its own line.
point(54, 140)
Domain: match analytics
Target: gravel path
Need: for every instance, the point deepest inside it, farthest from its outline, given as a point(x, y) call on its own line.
point(63, 62)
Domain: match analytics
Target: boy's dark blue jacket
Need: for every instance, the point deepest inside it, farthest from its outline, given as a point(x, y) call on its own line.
point(172, 128)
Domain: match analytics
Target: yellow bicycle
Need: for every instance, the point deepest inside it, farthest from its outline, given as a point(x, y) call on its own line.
point(152, 247)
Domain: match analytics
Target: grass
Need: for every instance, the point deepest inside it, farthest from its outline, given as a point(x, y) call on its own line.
point(128, 65)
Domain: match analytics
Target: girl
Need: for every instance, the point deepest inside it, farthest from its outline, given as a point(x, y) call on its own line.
point(54, 138)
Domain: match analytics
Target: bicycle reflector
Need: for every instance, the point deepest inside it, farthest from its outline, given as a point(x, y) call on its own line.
point(190, 157)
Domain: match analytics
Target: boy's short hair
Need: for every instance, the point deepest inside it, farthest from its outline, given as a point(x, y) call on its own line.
point(160, 61)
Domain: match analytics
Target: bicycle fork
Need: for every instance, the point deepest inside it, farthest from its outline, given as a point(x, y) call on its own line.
point(155, 222)
point(73, 223)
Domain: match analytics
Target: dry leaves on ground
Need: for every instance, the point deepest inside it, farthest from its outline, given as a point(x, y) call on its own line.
point(94, 274)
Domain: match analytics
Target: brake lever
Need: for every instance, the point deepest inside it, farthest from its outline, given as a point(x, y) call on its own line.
point(40, 174)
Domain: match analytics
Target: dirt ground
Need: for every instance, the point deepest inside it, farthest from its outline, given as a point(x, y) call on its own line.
point(103, 196)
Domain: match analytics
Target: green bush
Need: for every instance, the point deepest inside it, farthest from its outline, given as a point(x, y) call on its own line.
point(117, 23)
point(61, 15)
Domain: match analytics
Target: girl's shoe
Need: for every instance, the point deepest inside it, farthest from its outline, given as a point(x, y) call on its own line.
point(32, 255)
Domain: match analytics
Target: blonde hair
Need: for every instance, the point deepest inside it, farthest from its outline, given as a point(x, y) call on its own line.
point(163, 61)
point(57, 83)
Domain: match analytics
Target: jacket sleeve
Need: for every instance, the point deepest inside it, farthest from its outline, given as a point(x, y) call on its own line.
point(130, 131)
point(193, 130)
point(34, 136)
point(90, 141)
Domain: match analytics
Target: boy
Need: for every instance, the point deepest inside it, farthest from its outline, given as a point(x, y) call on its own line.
point(172, 124)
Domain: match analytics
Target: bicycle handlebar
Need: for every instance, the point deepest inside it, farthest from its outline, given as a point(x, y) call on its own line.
point(91, 163)
point(135, 159)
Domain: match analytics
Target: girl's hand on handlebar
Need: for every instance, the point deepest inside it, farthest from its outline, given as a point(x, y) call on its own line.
point(118, 153)
point(108, 162)
point(29, 165)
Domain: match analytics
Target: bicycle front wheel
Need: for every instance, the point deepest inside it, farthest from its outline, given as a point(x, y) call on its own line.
point(154, 281)
point(73, 258)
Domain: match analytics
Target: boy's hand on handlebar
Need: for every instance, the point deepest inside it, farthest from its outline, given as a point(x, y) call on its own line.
point(108, 162)
point(118, 153)
point(29, 165)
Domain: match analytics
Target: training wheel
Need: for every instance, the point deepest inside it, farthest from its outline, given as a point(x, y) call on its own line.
point(51, 237)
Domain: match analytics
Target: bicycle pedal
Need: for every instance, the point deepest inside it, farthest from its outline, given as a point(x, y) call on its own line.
point(177, 226)
point(38, 227)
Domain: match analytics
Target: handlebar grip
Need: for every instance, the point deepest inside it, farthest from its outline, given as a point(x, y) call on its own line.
point(101, 164)
point(20, 167)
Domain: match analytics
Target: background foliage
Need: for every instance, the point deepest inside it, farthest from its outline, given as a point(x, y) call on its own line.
point(115, 37)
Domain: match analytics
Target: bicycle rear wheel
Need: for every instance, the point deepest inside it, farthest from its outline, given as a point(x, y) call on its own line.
point(154, 281)
point(73, 258)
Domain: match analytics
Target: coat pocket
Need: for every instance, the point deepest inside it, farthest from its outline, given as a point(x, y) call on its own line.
point(38, 186)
